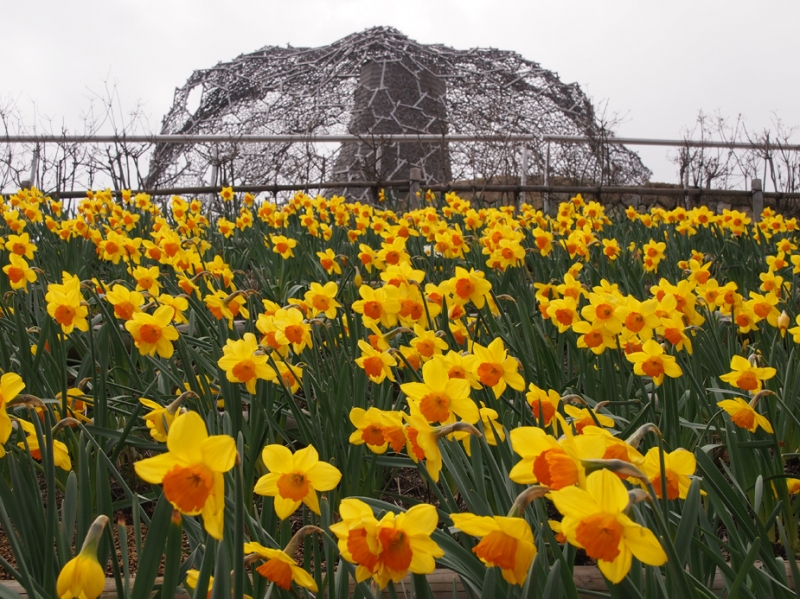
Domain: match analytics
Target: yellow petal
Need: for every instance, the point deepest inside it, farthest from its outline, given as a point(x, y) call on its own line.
point(285, 507)
point(643, 544)
point(303, 578)
point(268, 484)
point(305, 459)
point(618, 569)
point(278, 458)
point(420, 520)
point(608, 490)
point(214, 509)
point(574, 502)
point(476, 526)
point(186, 435)
point(152, 470)
point(324, 476)
point(219, 452)
point(682, 462)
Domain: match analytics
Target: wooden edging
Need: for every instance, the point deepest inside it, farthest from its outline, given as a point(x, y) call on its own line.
point(441, 581)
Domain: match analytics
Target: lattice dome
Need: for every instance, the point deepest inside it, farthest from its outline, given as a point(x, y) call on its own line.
point(378, 82)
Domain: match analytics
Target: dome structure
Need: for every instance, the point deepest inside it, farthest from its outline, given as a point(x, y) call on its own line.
point(374, 83)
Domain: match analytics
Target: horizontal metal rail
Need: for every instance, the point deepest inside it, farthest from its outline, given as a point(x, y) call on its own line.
point(457, 187)
point(389, 138)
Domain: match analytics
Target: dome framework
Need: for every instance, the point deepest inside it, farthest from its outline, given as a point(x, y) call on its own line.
point(376, 83)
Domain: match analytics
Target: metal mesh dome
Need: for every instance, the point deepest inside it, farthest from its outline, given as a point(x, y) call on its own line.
point(381, 82)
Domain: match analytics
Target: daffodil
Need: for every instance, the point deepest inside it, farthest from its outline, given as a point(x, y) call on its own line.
point(65, 304)
point(126, 303)
point(377, 364)
point(654, 362)
point(83, 577)
point(747, 377)
point(469, 286)
point(553, 462)
point(679, 465)
point(495, 368)
point(60, 451)
point(427, 343)
point(507, 542)
point(387, 549)
point(295, 478)
point(280, 568)
point(153, 333)
point(380, 305)
point(583, 417)
point(21, 246)
point(440, 398)
point(292, 329)
point(595, 520)
point(544, 404)
point(160, 418)
point(19, 273)
point(378, 429)
point(192, 471)
point(322, 299)
point(244, 363)
point(744, 414)
point(328, 261)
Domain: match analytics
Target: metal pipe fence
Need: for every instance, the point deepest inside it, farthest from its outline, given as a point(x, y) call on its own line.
point(546, 189)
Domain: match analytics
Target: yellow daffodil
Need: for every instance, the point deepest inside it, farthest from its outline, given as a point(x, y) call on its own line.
point(747, 377)
point(387, 549)
point(378, 305)
point(544, 404)
point(744, 414)
point(495, 368)
point(378, 429)
point(19, 273)
point(60, 451)
point(469, 286)
point(280, 568)
point(126, 303)
point(595, 520)
point(153, 333)
point(553, 462)
point(191, 472)
point(244, 363)
point(322, 299)
point(21, 246)
point(654, 362)
point(295, 478)
point(65, 304)
point(507, 542)
point(377, 364)
point(83, 577)
point(679, 465)
point(440, 398)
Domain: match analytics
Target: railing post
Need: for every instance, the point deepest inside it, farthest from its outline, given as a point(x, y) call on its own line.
point(758, 199)
point(523, 180)
point(546, 197)
point(415, 175)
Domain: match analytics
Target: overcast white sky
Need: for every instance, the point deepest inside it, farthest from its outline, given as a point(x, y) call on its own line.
point(655, 63)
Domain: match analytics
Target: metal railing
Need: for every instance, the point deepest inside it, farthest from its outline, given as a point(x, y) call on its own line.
point(684, 191)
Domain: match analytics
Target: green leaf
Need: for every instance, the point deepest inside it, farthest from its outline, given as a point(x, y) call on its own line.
point(150, 558)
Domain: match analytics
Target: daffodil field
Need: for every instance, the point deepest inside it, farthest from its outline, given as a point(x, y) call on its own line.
point(324, 397)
